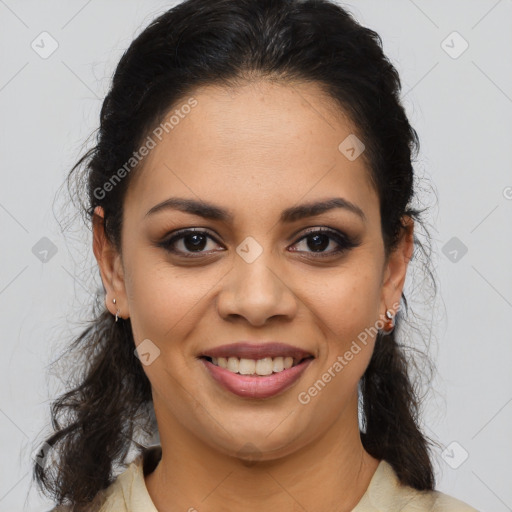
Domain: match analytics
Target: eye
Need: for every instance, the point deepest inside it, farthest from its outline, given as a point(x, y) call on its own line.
point(191, 243)
point(187, 242)
point(318, 240)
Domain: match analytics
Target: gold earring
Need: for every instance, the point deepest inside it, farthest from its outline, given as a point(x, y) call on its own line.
point(390, 323)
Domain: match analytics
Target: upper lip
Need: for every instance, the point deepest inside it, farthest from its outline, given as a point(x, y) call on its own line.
point(248, 350)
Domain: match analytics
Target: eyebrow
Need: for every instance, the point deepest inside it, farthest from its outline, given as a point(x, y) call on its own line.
point(292, 214)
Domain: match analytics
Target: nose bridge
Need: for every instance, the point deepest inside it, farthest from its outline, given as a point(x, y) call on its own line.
point(255, 290)
point(253, 268)
point(254, 273)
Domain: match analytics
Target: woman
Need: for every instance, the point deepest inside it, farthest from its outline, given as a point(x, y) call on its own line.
point(250, 198)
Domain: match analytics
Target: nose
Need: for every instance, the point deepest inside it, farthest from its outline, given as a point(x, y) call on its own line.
point(256, 292)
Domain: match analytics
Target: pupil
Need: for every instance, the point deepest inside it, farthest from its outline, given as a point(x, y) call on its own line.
point(321, 242)
point(197, 243)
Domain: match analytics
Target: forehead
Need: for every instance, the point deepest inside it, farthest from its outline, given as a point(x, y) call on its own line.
point(263, 142)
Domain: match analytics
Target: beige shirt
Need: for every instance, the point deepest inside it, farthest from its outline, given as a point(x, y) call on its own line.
point(128, 493)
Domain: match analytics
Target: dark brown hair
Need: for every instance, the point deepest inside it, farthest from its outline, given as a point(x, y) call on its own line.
point(226, 42)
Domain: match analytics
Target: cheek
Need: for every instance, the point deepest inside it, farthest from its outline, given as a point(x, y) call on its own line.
point(165, 303)
point(346, 309)
point(347, 304)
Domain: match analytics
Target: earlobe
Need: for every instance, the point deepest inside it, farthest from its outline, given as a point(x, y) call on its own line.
point(109, 263)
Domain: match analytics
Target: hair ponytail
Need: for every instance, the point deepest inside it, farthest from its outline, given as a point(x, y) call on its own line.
point(390, 415)
point(99, 414)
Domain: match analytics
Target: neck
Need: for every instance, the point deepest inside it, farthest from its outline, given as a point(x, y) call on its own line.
point(330, 473)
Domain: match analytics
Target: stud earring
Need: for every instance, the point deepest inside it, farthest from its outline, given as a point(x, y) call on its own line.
point(390, 323)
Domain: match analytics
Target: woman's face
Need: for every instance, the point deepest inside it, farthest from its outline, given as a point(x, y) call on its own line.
point(259, 272)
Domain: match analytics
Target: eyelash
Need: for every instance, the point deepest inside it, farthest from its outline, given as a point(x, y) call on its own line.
point(345, 242)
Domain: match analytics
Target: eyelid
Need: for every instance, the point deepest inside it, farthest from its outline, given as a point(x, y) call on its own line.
point(182, 233)
point(323, 229)
point(344, 241)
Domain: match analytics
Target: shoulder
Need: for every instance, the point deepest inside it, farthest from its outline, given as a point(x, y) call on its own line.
point(436, 501)
point(444, 502)
point(386, 494)
point(128, 491)
point(105, 500)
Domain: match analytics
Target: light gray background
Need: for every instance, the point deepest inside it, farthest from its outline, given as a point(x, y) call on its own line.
point(462, 110)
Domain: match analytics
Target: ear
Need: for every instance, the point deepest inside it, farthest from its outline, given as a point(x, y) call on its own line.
point(395, 269)
point(110, 265)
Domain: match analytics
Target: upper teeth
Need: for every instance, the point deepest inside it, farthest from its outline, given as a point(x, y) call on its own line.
point(263, 366)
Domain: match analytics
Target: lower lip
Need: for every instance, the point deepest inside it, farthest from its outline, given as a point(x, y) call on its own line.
point(248, 386)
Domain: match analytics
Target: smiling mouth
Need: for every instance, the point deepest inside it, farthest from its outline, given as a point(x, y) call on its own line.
point(256, 367)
